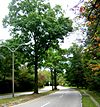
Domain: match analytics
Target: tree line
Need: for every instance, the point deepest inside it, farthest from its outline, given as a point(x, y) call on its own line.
point(36, 21)
point(40, 25)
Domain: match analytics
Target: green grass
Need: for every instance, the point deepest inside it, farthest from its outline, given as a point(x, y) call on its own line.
point(96, 95)
point(86, 101)
point(20, 99)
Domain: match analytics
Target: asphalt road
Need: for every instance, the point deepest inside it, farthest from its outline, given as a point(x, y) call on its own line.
point(66, 97)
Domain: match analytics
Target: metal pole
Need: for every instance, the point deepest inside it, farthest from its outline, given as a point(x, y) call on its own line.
point(13, 51)
point(12, 74)
point(52, 79)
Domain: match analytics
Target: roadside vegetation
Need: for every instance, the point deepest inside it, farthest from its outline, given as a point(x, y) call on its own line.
point(87, 101)
point(40, 25)
point(42, 62)
point(95, 94)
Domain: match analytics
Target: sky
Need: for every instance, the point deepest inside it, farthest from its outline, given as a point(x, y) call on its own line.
point(3, 11)
point(66, 5)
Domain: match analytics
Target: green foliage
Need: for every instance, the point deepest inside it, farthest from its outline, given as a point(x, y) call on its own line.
point(55, 60)
point(36, 20)
point(5, 64)
point(44, 78)
point(60, 79)
point(92, 51)
point(24, 79)
point(23, 76)
point(75, 71)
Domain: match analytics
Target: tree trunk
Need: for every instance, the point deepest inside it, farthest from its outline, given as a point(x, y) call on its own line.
point(36, 75)
point(36, 66)
point(55, 80)
point(52, 79)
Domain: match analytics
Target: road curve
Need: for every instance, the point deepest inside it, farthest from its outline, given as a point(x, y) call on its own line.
point(66, 97)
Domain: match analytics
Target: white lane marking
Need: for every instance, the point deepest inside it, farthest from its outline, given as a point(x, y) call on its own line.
point(45, 104)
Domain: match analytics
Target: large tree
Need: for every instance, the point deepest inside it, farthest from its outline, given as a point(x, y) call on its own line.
point(36, 20)
point(92, 51)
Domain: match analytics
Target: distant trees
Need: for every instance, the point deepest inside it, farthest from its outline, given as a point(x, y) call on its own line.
point(44, 78)
point(55, 61)
point(75, 70)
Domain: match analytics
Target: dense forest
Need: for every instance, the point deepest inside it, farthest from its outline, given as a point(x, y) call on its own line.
point(36, 29)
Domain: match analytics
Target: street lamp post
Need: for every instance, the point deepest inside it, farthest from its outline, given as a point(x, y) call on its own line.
point(13, 52)
point(12, 74)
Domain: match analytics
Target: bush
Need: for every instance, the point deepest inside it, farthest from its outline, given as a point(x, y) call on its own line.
point(5, 86)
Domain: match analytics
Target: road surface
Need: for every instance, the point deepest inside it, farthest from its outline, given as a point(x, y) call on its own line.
point(66, 97)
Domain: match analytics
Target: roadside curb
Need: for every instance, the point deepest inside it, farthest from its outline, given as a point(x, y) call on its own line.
point(81, 99)
point(96, 103)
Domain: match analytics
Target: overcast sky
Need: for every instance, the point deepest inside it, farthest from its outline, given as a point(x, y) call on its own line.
point(66, 5)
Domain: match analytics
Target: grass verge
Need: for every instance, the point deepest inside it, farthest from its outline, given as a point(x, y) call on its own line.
point(86, 100)
point(96, 95)
point(20, 99)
